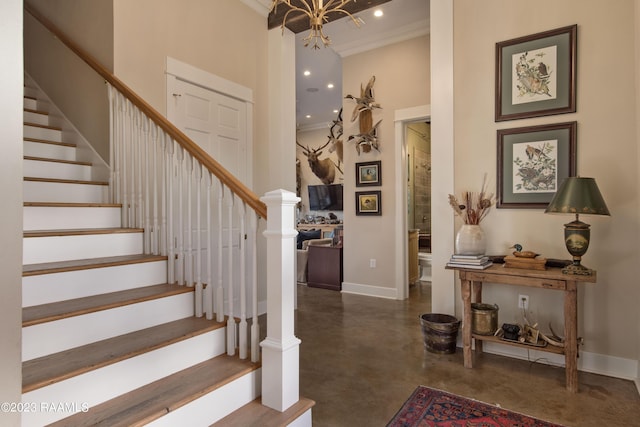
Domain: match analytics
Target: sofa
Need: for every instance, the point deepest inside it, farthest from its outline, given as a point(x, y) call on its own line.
point(303, 256)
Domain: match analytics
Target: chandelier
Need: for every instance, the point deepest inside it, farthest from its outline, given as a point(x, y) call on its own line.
point(316, 10)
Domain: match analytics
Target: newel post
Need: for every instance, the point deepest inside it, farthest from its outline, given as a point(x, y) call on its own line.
point(280, 349)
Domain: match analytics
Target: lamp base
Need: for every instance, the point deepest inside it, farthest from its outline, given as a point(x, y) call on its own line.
point(577, 270)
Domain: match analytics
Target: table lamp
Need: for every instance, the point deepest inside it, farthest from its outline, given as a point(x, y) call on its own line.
point(577, 195)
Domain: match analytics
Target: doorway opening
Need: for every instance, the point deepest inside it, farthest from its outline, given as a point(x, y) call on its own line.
point(418, 140)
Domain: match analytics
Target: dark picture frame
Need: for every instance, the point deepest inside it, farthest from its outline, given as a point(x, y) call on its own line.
point(532, 162)
point(368, 173)
point(536, 75)
point(368, 203)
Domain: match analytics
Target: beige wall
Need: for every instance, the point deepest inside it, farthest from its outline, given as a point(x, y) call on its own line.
point(225, 38)
point(11, 79)
point(402, 81)
point(71, 84)
point(607, 150)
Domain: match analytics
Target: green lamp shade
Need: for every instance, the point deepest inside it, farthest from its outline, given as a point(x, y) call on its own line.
point(578, 195)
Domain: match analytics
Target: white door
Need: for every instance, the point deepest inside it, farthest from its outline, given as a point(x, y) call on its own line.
point(216, 122)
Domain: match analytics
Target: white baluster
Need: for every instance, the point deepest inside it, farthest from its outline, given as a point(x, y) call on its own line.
point(180, 226)
point(171, 242)
point(147, 151)
point(166, 236)
point(231, 323)
point(126, 158)
point(189, 231)
point(219, 285)
point(155, 149)
point(242, 327)
point(208, 297)
point(140, 138)
point(198, 251)
point(110, 95)
point(255, 326)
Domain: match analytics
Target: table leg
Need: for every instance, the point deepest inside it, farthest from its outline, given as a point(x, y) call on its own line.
point(465, 287)
point(476, 296)
point(571, 336)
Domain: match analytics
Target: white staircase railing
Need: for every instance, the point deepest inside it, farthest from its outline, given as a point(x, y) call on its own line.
point(167, 192)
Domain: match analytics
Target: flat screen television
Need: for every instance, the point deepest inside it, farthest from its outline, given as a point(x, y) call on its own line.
point(325, 197)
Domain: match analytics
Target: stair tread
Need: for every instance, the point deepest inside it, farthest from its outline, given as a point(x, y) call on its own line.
point(31, 110)
point(46, 141)
point(255, 414)
point(57, 367)
point(80, 232)
point(44, 159)
point(72, 205)
point(154, 400)
point(65, 181)
point(86, 264)
point(37, 125)
point(60, 310)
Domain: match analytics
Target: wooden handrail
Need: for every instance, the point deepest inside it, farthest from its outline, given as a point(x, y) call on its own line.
point(237, 187)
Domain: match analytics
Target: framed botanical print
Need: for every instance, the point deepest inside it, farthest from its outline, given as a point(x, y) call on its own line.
point(536, 75)
point(368, 203)
point(532, 162)
point(368, 173)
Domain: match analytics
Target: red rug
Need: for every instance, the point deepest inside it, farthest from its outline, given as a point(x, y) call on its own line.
point(431, 407)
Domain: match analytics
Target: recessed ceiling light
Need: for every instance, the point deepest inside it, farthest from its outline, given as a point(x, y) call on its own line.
point(308, 116)
point(335, 111)
point(378, 13)
point(330, 85)
point(307, 73)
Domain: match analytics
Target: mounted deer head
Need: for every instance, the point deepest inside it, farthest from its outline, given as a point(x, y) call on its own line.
point(324, 169)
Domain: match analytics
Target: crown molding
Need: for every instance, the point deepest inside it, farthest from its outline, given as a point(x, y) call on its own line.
point(260, 6)
point(381, 39)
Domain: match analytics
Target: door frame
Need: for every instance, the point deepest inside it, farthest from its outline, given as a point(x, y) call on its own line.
point(178, 70)
point(401, 119)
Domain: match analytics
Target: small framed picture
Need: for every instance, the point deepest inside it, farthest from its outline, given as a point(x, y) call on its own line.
point(368, 173)
point(532, 162)
point(536, 75)
point(368, 203)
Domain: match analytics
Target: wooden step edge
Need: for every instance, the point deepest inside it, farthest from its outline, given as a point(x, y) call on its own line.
point(64, 181)
point(44, 313)
point(30, 110)
point(71, 205)
point(152, 401)
point(57, 367)
point(46, 141)
point(87, 264)
point(44, 159)
point(255, 414)
point(29, 97)
point(37, 125)
point(80, 232)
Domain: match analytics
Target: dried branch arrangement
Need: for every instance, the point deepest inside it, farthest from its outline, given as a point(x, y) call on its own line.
point(473, 207)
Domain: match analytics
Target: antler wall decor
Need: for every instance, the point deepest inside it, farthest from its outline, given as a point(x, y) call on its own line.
point(368, 136)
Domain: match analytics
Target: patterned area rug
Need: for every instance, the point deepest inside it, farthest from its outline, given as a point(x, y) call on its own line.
point(431, 407)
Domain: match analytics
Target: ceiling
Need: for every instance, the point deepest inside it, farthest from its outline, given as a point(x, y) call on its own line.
point(401, 20)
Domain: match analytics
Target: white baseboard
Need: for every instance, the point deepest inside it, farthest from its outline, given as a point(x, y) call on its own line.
point(368, 290)
point(594, 363)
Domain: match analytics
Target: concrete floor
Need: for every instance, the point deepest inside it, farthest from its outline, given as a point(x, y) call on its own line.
point(361, 358)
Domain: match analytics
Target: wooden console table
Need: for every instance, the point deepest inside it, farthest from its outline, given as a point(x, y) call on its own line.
point(324, 267)
point(551, 278)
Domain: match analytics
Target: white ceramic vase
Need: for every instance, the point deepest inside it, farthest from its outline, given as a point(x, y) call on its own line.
point(470, 240)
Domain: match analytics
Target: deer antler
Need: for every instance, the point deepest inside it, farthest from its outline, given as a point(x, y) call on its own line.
point(306, 149)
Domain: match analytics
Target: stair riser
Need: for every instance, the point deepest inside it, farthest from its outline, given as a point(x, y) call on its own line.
point(49, 151)
point(215, 405)
point(37, 118)
point(106, 383)
point(61, 218)
point(52, 337)
point(55, 170)
point(31, 104)
point(34, 191)
point(48, 288)
point(64, 248)
point(42, 133)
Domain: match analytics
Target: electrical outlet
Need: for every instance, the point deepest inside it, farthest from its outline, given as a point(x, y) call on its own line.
point(372, 263)
point(523, 301)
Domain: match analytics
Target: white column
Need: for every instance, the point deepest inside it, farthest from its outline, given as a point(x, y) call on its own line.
point(280, 349)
